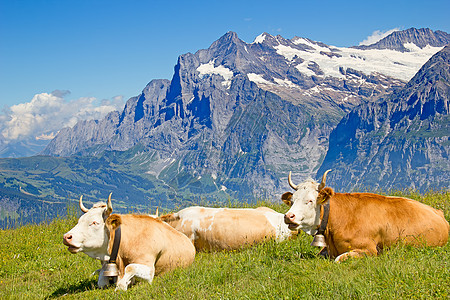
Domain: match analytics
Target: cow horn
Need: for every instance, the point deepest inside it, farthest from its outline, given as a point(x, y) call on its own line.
point(157, 211)
point(324, 178)
point(82, 207)
point(290, 182)
point(109, 205)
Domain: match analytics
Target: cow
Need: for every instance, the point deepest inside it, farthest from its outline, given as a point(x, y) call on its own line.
point(212, 229)
point(148, 247)
point(362, 224)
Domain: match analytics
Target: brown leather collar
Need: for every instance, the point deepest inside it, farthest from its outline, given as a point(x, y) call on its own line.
point(116, 244)
point(324, 221)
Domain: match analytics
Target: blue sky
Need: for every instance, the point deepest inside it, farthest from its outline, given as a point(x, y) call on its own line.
point(107, 51)
point(104, 49)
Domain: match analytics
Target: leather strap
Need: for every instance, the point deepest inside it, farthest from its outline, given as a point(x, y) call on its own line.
point(324, 221)
point(116, 244)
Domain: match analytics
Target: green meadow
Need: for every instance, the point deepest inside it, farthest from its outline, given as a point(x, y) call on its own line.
point(34, 264)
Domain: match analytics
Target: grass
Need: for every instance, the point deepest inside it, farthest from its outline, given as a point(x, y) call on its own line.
point(34, 264)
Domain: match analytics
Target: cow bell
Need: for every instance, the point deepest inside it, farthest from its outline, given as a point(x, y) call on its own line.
point(110, 270)
point(319, 241)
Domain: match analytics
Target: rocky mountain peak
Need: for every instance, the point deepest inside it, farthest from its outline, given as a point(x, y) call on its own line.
point(405, 40)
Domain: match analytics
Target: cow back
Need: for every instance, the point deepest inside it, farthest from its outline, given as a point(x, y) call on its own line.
point(226, 228)
point(366, 220)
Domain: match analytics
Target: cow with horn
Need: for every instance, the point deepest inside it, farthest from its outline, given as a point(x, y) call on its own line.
point(358, 224)
point(141, 246)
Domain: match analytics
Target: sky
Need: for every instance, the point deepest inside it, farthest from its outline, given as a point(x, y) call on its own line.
point(63, 61)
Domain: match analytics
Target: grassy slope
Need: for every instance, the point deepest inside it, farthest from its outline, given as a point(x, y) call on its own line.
point(35, 264)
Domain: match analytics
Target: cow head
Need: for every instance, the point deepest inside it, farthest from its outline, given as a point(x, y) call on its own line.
point(90, 235)
point(304, 213)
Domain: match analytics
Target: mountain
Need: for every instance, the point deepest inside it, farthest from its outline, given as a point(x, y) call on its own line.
point(243, 115)
point(402, 141)
point(22, 148)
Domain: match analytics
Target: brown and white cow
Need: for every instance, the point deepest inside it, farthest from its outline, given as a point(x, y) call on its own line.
point(228, 228)
point(363, 223)
point(148, 247)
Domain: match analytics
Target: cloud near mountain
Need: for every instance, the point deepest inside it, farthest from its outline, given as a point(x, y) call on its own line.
point(376, 36)
point(43, 116)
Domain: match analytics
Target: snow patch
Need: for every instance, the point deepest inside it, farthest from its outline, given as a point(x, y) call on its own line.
point(285, 82)
point(257, 78)
point(259, 39)
point(386, 62)
point(210, 69)
point(411, 47)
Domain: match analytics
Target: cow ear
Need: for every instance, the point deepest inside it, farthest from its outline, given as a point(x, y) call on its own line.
point(113, 222)
point(324, 195)
point(169, 218)
point(287, 198)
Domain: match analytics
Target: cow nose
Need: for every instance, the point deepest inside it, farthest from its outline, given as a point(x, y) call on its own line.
point(289, 217)
point(67, 237)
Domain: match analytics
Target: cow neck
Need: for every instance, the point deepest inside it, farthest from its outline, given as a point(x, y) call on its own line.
point(116, 244)
point(324, 221)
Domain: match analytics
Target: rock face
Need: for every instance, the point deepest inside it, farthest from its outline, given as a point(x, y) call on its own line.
point(236, 117)
point(402, 141)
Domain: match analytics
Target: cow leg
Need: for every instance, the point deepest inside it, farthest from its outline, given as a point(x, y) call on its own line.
point(353, 253)
point(141, 271)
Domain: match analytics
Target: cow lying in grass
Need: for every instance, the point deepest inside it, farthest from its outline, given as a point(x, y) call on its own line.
point(228, 228)
point(363, 223)
point(148, 247)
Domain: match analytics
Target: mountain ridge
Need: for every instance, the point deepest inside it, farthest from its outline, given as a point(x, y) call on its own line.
point(421, 37)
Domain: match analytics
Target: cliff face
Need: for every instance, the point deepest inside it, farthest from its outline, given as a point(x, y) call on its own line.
point(402, 141)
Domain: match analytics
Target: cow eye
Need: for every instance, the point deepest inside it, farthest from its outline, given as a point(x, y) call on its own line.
point(94, 223)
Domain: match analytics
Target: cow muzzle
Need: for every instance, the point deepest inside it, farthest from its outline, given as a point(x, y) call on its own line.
point(289, 221)
point(67, 240)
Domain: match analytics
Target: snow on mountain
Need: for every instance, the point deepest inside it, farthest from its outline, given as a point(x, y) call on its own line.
point(331, 59)
point(260, 39)
point(209, 69)
point(305, 71)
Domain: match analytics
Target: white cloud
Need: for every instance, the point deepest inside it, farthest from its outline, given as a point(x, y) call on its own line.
point(46, 137)
point(376, 36)
point(43, 116)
